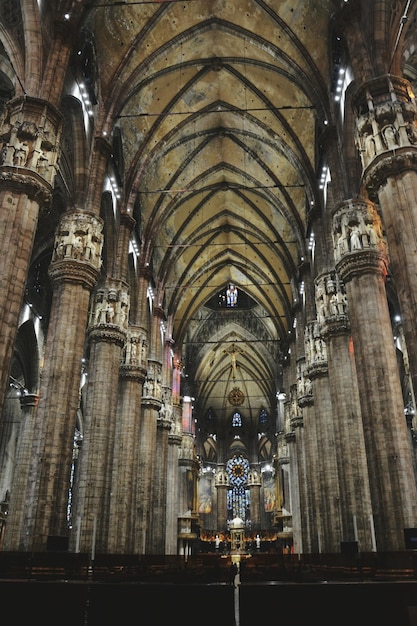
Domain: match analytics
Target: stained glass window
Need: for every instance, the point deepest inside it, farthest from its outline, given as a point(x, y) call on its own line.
point(238, 496)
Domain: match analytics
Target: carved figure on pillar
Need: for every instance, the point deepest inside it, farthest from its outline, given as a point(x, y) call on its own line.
point(79, 238)
point(384, 122)
point(331, 300)
point(111, 307)
point(29, 137)
point(361, 221)
point(315, 346)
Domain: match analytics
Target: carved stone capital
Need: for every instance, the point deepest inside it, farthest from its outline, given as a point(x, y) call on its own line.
point(363, 262)
point(290, 437)
point(108, 334)
point(22, 181)
point(389, 165)
point(79, 238)
point(110, 307)
point(386, 127)
point(357, 228)
point(75, 272)
point(30, 134)
point(132, 372)
point(297, 421)
point(318, 370)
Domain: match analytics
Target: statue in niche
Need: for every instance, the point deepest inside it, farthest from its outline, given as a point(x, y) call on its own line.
point(390, 138)
point(355, 241)
point(21, 152)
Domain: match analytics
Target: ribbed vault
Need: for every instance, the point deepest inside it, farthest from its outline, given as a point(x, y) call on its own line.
point(219, 107)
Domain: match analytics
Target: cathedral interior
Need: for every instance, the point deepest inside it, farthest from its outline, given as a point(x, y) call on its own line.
point(208, 284)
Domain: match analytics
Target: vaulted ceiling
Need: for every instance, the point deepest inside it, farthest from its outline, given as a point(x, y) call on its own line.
point(219, 105)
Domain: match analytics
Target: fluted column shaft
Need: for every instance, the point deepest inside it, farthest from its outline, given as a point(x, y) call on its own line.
point(362, 265)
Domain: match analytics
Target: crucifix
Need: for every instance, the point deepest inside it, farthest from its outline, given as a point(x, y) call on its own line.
point(233, 351)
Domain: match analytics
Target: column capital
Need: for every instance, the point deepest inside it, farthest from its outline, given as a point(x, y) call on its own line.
point(30, 134)
point(358, 241)
point(133, 372)
point(363, 262)
point(77, 250)
point(331, 305)
point(386, 129)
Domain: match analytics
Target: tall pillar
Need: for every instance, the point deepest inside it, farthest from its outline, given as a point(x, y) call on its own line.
point(386, 136)
point(161, 426)
point(254, 484)
point(361, 261)
point(107, 333)
point(22, 463)
point(355, 500)
point(221, 482)
point(73, 271)
point(124, 476)
point(320, 427)
point(30, 131)
point(174, 508)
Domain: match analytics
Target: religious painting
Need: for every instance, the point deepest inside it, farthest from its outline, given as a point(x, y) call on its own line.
point(204, 495)
point(270, 493)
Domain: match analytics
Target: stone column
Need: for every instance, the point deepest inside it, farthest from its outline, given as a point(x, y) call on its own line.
point(74, 269)
point(386, 136)
point(174, 507)
point(107, 335)
point(161, 426)
point(147, 426)
point(124, 476)
point(221, 482)
point(30, 131)
point(355, 501)
point(254, 484)
point(22, 473)
point(319, 430)
point(296, 455)
point(361, 262)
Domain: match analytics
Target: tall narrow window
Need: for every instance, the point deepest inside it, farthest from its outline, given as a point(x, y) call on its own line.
point(238, 495)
